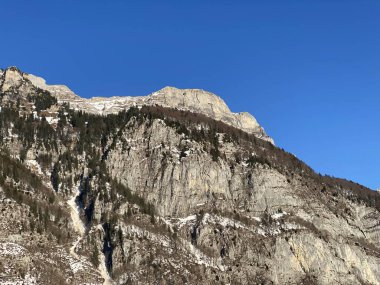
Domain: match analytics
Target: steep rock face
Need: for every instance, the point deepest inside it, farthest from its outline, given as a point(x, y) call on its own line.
point(11, 78)
point(12, 85)
point(160, 196)
point(177, 174)
point(304, 231)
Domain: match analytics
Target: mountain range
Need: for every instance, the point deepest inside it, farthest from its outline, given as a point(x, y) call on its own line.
point(168, 188)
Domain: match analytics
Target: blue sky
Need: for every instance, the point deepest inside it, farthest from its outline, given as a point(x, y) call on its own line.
point(309, 71)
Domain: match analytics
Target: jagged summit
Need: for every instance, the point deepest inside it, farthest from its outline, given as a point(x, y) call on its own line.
point(14, 78)
point(193, 100)
point(61, 92)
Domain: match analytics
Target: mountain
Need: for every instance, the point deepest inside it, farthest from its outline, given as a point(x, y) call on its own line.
point(170, 188)
point(193, 100)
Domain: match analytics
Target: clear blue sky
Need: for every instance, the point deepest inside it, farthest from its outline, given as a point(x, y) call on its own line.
point(308, 70)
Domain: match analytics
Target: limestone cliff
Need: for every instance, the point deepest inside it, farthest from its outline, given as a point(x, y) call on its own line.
point(163, 195)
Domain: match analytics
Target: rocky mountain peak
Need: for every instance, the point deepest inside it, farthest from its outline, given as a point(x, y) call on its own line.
point(193, 100)
point(196, 99)
point(61, 92)
point(204, 102)
point(158, 195)
point(24, 83)
point(11, 77)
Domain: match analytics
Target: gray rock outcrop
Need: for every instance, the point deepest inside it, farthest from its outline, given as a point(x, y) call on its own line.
point(150, 197)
